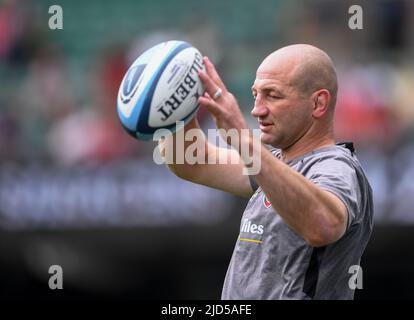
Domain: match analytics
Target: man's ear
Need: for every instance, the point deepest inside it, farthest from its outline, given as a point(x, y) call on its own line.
point(321, 102)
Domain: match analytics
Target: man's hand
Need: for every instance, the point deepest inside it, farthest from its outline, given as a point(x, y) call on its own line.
point(224, 109)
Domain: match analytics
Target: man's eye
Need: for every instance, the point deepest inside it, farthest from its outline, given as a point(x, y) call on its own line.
point(274, 97)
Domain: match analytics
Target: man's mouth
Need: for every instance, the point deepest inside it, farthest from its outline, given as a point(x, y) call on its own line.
point(265, 126)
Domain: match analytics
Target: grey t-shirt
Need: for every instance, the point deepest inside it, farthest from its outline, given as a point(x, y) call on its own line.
point(271, 261)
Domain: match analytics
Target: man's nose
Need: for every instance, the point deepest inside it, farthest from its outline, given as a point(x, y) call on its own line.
point(259, 109)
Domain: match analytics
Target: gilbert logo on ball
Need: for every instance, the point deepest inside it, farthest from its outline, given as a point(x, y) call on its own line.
point(161, 87)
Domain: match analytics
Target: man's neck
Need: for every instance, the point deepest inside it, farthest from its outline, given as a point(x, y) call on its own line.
point(301, 147)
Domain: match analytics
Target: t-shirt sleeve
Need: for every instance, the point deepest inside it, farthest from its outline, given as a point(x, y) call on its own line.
point(339, 177)
point(253, 183)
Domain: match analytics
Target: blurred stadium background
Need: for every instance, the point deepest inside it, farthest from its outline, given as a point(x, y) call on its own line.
point(77, 191)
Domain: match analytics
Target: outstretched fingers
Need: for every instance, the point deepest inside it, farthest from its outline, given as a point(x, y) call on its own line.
point(212, 72)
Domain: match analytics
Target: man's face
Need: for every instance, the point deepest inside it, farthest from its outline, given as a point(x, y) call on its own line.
point(283, 113)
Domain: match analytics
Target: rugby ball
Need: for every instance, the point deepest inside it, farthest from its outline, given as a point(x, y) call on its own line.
point(160, 88)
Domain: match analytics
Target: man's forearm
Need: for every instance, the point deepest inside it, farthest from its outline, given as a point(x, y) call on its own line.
point(173, 150)
point(306, 208)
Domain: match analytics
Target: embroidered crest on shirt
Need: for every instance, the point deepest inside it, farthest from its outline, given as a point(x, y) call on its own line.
point(266, 201)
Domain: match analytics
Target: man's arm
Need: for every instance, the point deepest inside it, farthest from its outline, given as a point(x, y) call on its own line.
point(217, 172)
point(319, 216)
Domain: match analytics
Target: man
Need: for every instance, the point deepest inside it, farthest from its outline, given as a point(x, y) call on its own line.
point(309, 217)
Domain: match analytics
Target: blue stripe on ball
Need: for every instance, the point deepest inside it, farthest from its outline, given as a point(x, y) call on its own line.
point(172, 127)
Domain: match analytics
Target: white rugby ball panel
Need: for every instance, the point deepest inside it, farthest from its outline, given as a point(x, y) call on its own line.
point(177, 91)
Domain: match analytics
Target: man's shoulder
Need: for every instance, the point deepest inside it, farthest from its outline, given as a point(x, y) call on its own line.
point(342, 152)
point(339, 151)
